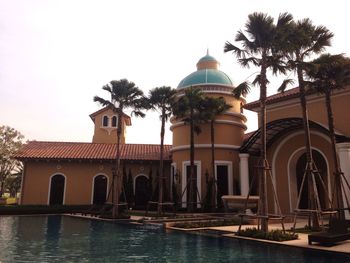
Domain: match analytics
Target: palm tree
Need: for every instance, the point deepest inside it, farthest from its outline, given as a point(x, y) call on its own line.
point(162, 99)
point(213, 107)
point(188, 109)
point(329, 73)
point(305, 40)
point(123, 95)
point(260, 48)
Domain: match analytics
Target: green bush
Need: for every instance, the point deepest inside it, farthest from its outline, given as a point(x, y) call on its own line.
point(200, 224)
point(275, 235)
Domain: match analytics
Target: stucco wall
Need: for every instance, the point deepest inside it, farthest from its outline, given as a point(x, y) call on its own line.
point(79, 178)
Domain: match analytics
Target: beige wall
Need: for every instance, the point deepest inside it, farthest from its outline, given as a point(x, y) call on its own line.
point(316, 109)
point(79, 178)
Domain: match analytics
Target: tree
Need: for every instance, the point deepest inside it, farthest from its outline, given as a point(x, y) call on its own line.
point(10, 142)
point(329, 73)
point(303, 41)
point(188, 109)
point(260, 47)
point(213, 107)
point(13, 182)
point(123, 95)
point(162, 99)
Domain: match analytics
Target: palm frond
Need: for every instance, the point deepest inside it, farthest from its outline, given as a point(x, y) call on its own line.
point(237, 51)
point(284, 85)
point(242, 89)
point(244, 62)
point(284, 19)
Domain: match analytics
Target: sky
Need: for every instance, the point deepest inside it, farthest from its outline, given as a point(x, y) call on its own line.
point(55, 56)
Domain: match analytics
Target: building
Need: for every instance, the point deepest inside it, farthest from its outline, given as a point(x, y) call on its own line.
point(80, 173)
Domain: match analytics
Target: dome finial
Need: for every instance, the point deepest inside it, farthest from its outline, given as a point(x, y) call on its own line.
point(207, 51)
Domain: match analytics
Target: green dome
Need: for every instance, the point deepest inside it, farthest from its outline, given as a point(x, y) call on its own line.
point(205, 76)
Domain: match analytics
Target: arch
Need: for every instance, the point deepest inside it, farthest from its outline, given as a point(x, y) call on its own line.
point(141, 190)
point(105, 121)
point(295, 163)
point(57, 189)
point(114, 121)
point(99, 189)
point(276, 153)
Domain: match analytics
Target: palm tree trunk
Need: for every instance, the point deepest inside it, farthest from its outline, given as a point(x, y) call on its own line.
point(337, 170)
point(116, 176)
point(214, 185)
point(309, 159)
point(192, 168)
point(262, 181)
point(161, 175)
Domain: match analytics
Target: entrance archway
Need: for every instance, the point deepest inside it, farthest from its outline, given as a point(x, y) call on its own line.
point(57, 185)
point(322, 167)
point(142, 191)
point(100, 190)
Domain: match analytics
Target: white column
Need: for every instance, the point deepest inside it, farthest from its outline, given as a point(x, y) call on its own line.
point(244, 173)
point(344, 159)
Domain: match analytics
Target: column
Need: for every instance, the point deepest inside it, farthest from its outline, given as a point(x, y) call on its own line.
point(244, 173)
point(344, 160)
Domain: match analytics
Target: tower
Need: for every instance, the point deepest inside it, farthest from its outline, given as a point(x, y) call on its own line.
point(106, 121)
point(229, 131)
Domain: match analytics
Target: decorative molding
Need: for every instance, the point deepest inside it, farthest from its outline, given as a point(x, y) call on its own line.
point(234, 123)
point(205, 146)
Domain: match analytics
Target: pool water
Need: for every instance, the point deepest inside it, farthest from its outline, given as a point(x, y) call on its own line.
point(68, 239)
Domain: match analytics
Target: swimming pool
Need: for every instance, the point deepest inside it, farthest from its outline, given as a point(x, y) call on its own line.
point(68, 239)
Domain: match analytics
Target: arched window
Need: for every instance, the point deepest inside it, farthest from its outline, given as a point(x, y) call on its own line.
point(105, 121)
point(57, 185)
point(100, 190)
point(114, 121)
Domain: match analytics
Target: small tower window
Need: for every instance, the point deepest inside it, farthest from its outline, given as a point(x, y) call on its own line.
point(105, 121)
point(114, 121)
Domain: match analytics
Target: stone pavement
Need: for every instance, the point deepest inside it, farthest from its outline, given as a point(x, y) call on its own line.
point(302, 241)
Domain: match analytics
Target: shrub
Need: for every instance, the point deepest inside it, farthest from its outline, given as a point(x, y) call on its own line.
point(200, 224)
point(275, 235)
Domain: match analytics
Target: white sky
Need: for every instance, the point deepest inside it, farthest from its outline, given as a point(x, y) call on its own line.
point(56, 55)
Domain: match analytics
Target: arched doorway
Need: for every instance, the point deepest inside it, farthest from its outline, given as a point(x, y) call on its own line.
point(100, 190)
point(322, 168)
point(57, 185)
point(142, 193)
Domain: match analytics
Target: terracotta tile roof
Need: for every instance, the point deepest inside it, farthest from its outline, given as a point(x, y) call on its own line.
point(90, 151)
point(288, 94)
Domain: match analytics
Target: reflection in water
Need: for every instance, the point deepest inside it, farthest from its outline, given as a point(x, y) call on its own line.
point(66, 239)
point(53, 232)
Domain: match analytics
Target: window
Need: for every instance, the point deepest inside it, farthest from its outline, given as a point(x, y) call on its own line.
point(105, 121)
point(114, 121)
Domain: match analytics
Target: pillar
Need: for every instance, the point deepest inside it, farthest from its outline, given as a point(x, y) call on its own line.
point(244, 173)
point(344, 160)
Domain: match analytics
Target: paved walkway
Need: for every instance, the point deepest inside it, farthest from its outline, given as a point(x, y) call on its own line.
point(302, 241)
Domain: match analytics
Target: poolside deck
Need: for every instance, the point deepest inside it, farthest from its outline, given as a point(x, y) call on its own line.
point(302, 241)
